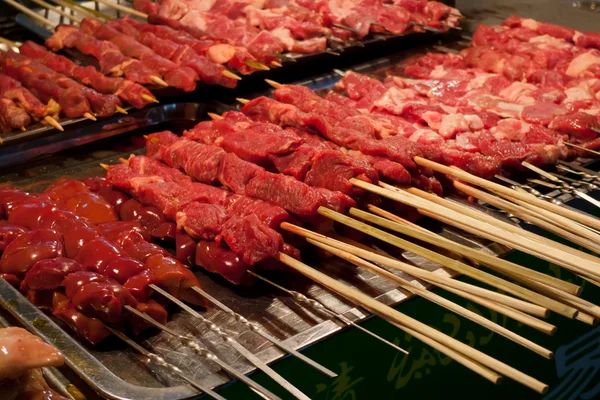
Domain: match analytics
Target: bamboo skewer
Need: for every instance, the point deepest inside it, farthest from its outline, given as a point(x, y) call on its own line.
point(463, 175)
point(507, 268)
point(158, 81)
point(539, 219)
point(57, 10)
point(150, 99)
point(121, 110)
point(123, 8)
point(587, 264)
point(78, 8)
point(395, 316)
point(464, 269)
point(418, 272)
point(449, 263)
point(299, 297)
point(441, 301)
point(230, 75)
point(9, 43)
point(432, 205)
point(30, 13)
point(54, 123)
point(89, 116)
point(594, 152)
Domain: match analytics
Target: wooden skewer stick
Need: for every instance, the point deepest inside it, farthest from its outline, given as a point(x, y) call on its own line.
point(158, 81)
point(150, 99)
point(121, 110)
point(9, 43)
point(403, 320)
point(57, 10)
point(464, 269)
point(243, 101)
point(563, 222)
point(441, 301)
point(566, 298)
point(507, 268)
point(594, 152)
point(54, 123)
point(519, 316)
point(257, 65)
point(86, 12)
point(506, 234)
point(447, 262)
point(274, 84)
point(30, 13)
point(89, 116)
point(465, 176)
point(120, 7)
point(547, 223)
point(215, 117)
point(230, 75)
point(431, 204)
point(427, 276)
point(276, 64)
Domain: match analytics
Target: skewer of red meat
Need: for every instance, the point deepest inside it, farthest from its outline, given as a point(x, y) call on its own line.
point(12, 89)
point(72, 102)
point(12, 117)
point(371, 135)
point(465, 126)
point(46, 269)
point(208, 214)
point(112, 61)
point(130, 92)
point(284, 151)
point(236, 57)
point(568, 118)
point(182, 55)
point(102, 104)
point(581, 39)
point(179, 77)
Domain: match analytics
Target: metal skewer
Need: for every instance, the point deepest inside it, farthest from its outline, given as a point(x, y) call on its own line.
point(577, 182)
point(191, 342)
point(153, 358)
point(255, 328)
point(573, 169)
point(588, 172)
point(563, 185)
point(257, 362)
point(528, 189)
point(321, 307)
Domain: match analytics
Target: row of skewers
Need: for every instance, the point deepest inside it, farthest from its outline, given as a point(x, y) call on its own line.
point(129, 53)
point(270, 27)
point(235, 232)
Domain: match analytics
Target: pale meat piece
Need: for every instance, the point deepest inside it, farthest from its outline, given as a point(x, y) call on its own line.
point(21, 351)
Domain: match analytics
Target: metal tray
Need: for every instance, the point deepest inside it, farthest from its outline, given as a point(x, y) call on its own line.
point(115, 371)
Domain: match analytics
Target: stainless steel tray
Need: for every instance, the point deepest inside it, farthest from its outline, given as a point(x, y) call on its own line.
point(115, 371)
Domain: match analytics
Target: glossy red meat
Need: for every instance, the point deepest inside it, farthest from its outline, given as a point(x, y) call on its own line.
point(10, 198)
point(91, 329)
point(92, 207)
point(114, 230)
point(29, 248)
point(252, 239)
point(123, 268)
point(185, 248)
point(154, 310)
point(64, 188)
point(76, 280)
point(104, 300)
point(28, 215)
point(174, 277)
point(97, 254)
point(220, 260)
point(50, 273)
point(136, 247)
point(8, 233)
